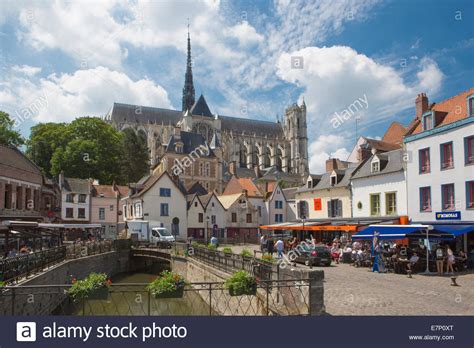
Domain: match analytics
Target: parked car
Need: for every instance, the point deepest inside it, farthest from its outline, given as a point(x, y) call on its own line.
point(318, 255)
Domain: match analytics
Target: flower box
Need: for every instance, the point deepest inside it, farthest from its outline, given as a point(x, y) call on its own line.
point(99, 294)
point(239, 292)
point(178, 293)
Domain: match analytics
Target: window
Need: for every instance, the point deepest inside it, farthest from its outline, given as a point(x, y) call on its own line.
point(470, 195)
point(249, 218)
point(333, 180)
point(165, 192)
point(19, 197)
point(195, 204)
point(164, 209)
point(213, 219)
point(8, 196)
point(375, 166)
point(278, 217)
point(425, 199)
point(469, 150)
point(212, 204)
point(125, 210)
point(201, 217)
point(179, 148)
point(375, 204)
point(70, 198)
point(81, 213)
point(278, 204)
point(428, 122)
point(303, 209)
point(446, 152)
point(447, 197)
point(234, 217)
point(69, 213)
point(334, 208)
point(470, 105)
point(391, 203)
point(259, 208)
point(424, 157)
point(82, 198)
point(101, 213)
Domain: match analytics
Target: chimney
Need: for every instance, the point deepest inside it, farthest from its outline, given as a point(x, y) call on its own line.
point(331, 164)
point(233, 168)
point(421, 104)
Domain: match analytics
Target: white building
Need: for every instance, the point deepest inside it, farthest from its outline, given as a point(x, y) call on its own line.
point(158, 198)
point(205, 212)
point(276, 206)
point(379, 186)
point(75, 199)
point(440, 171)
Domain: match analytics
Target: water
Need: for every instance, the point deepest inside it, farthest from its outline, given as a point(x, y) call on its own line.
point(135, 300)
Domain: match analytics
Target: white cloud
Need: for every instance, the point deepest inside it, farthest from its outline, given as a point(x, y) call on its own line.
point(245, 33)
point(334, 77)
point(326, 146)
point(61, 98)
point(26, 69)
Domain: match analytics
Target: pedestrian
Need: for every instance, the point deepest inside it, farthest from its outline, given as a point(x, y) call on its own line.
point(439, 259)
point(450, 260)
point(270, 246)
point(214, 242)
point(263, 243)
point(279, 245)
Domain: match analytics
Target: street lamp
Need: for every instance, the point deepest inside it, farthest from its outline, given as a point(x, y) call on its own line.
point(303, 219)
point(427, 271)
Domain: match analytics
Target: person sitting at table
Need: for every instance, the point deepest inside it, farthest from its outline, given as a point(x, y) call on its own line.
point(413, 261)
point(463, 259)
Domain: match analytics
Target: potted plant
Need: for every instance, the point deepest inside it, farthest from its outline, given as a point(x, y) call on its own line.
point(94, 287)
point(246, 254)
point(227, 251)
point(241, 283)
point(167, 285)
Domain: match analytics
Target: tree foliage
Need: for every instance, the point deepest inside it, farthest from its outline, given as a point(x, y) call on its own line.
point(88, 147)
point(9, 136)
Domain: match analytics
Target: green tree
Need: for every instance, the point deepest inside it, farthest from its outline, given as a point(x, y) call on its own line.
point(92, 151)
point(134, 163)
point(45, 139)
point(9, 136)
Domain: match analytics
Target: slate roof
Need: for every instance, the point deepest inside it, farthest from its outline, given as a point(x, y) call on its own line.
point(12, 157)
point(143, 114)
point(390, 162)
point(197, 188)
point(344, 176)
point(290, 193)
point(77, 185)
point(191, 141)
point(201, 108)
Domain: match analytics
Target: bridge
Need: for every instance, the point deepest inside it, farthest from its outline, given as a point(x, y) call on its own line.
point(151, 253)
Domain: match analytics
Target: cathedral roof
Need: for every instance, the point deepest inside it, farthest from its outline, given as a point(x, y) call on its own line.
point(143, 114)
point(251, 126)
point(191, 142)
point(201, 108)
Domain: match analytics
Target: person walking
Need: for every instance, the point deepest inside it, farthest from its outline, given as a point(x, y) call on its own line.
point(270, 246)
point(280, 246)
point(439, 259)
point(450, 260)
point(263, 243)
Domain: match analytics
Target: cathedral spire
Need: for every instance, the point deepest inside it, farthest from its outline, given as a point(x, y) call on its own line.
point(188, 89)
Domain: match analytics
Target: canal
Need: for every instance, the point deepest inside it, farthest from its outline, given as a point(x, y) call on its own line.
point(128, 297)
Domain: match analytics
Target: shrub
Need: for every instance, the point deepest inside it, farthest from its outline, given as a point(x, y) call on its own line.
point(241, 283)
point(167, 282)
point(82, 289)
point(211, 246)
point(268, 258)
point(246, 253)
point(227, 250)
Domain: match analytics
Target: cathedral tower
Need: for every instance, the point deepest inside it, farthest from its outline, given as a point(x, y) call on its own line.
point(295, 129)
point(188, 89)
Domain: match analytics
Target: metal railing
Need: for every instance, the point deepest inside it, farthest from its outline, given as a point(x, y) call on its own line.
point(229, 262)
point(25, 265)
point(282, 297)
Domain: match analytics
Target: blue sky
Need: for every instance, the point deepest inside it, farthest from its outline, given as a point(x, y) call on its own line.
point(61, 60)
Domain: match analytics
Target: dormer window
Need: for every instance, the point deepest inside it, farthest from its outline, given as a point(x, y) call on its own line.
point(428, 121)
point(333, 179)
point(375, 165)
point(470, 105)
point(310, 183)
point(179, 148)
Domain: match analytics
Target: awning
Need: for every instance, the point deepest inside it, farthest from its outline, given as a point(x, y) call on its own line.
point(310, 226)
point(454, 229)
point(396, 232)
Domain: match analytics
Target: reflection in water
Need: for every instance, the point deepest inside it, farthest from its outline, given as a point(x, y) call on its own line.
point(135, 300)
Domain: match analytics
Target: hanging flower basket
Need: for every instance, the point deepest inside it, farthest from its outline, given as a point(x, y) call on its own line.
point(167, 285)
point(241, 283)
point(94, 287)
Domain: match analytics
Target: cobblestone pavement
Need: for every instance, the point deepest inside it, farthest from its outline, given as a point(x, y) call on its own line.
point(357, 291)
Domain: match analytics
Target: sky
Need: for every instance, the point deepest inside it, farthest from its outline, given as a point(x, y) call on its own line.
point(65, 59)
